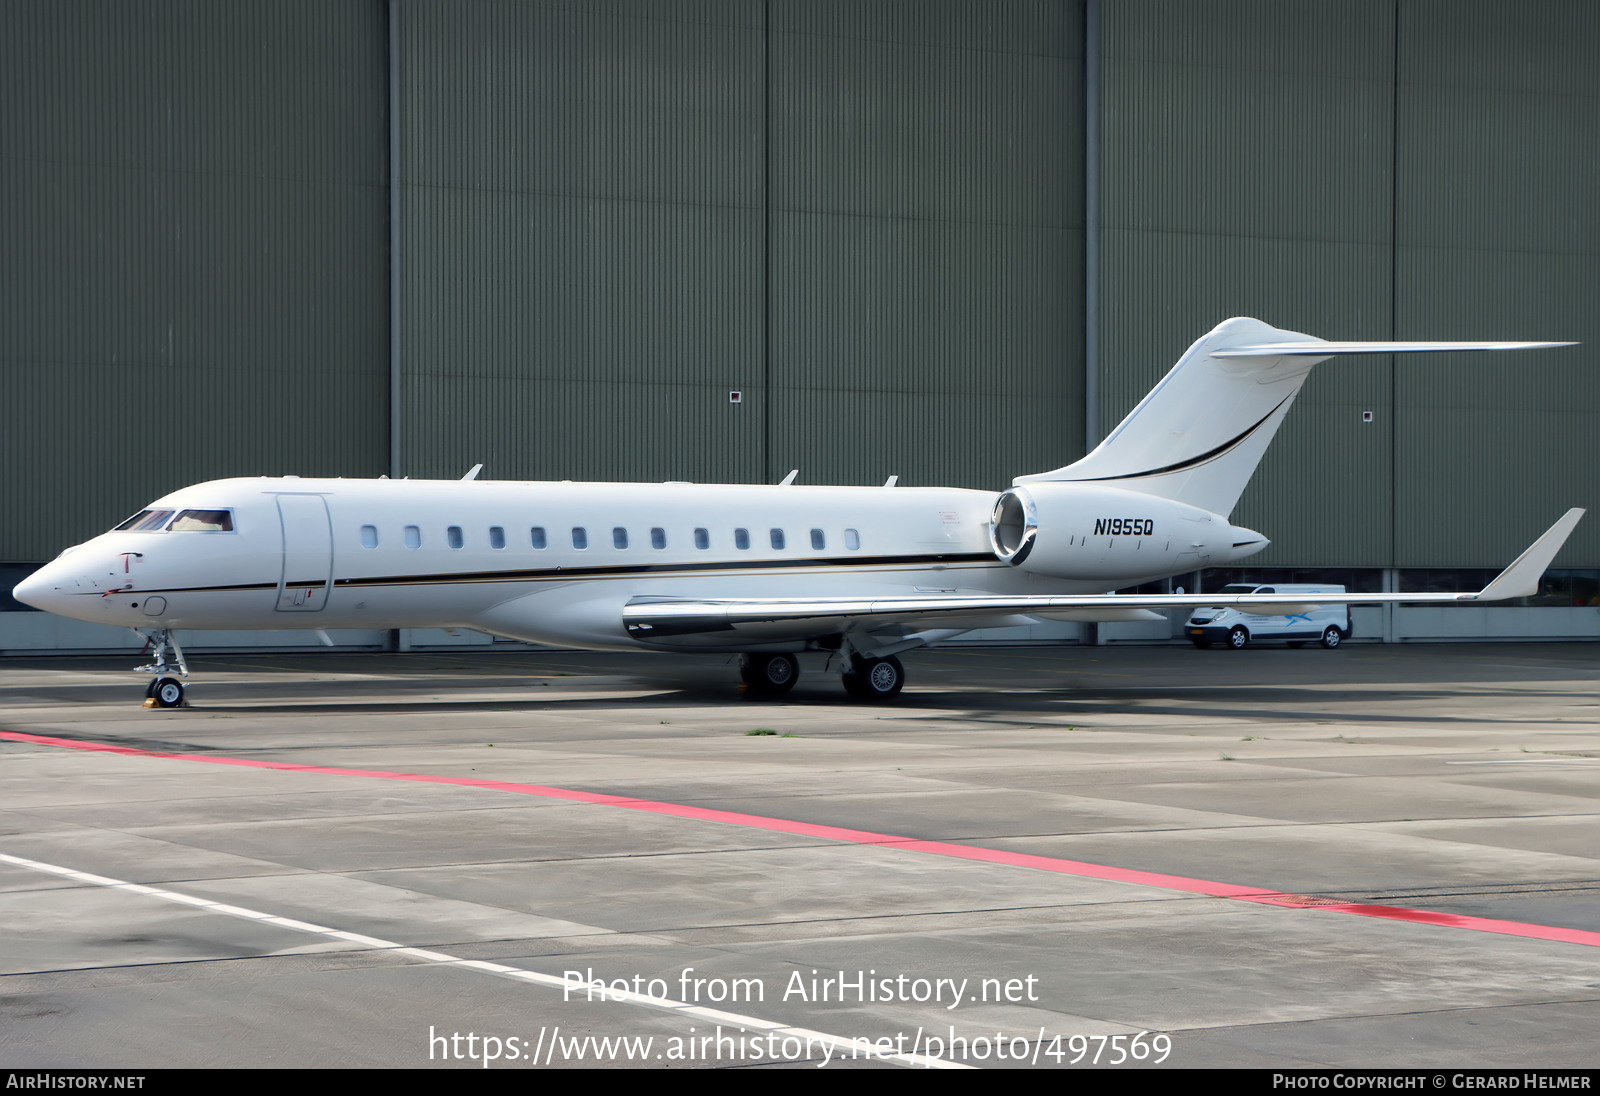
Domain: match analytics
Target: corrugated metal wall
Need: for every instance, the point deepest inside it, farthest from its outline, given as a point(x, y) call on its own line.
point(866, 217)
point(192, 252)
point(927, 228)
point(1246, 171)
point(582, 258)
point(1499, 237)
point(866, 222)
point(1421, 169)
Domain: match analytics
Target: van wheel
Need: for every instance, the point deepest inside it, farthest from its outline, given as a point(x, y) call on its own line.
point(1238, 639)
point(1331, 637)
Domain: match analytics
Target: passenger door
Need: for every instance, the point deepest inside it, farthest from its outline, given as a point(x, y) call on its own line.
point(307, 554)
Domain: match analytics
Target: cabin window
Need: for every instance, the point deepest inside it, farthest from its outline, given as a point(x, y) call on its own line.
point(702, 539)
point(818, 541)
point(202, 521)
point(619, 537)
point(145, 521)
point(369, 536)
point(413, 537)
point(777, 540)
point(497, 536)
point(658, 537)
point(741, 539)
point(453, 536)
point(580, 537)
point(852, 539)
point(536, 535)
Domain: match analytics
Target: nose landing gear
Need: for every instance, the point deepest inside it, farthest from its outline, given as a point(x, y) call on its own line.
point(165, 691)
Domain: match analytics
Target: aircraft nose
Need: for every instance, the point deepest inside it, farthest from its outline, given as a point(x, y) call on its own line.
point(36, 589)
point(50, 587)
point(60, 587)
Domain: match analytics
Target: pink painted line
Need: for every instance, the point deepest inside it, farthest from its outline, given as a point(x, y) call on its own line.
point(1078, 868)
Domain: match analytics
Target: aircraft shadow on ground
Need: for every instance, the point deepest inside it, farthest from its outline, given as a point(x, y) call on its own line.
point(1278, 703)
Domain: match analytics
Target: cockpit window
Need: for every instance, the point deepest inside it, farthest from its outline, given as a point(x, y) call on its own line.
point(203, 521)
point(145, 521)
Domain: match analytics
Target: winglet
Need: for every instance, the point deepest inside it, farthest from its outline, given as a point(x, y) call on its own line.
point(1521, 579)
point(472, 475)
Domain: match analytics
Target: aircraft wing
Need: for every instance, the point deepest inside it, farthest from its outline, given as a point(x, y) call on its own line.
point(650, 617)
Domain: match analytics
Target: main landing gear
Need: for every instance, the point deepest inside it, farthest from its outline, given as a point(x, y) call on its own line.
point(866, 679)
point(164, 691)
point(769, 675)
point(874, 679)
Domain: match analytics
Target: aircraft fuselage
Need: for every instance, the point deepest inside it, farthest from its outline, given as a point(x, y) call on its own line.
point(556, 562)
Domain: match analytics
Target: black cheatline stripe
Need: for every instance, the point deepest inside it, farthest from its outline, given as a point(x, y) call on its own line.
point(1183, 465)
point(663, 568)
point(592, 572)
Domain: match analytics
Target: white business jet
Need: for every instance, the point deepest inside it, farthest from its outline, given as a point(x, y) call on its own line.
point(763, 571)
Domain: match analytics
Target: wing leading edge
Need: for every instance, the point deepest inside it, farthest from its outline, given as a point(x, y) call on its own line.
point(646, 617)
point(1322, 348)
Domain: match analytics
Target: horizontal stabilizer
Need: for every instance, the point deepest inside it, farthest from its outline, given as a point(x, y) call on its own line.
point(1321, 349)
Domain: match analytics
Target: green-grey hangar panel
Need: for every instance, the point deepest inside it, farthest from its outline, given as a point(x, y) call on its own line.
point(863, 219)
point(719, 239)
point(193, 252)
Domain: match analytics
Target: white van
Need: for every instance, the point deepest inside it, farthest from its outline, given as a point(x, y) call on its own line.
point(1329, 625)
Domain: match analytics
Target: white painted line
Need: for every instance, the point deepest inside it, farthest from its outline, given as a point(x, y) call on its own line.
point(856, 1047)
point(1529, 761)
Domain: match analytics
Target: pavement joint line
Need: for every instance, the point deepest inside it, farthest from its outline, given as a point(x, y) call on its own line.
point(1058, 865)
point(855, 1047)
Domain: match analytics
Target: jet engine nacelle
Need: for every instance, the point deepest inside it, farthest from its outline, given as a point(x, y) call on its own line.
point(1089, 531)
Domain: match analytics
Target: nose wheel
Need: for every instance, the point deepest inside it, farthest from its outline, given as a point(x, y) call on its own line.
point(165, 691)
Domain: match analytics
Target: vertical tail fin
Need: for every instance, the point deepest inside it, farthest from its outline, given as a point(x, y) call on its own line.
point(1199, 434)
